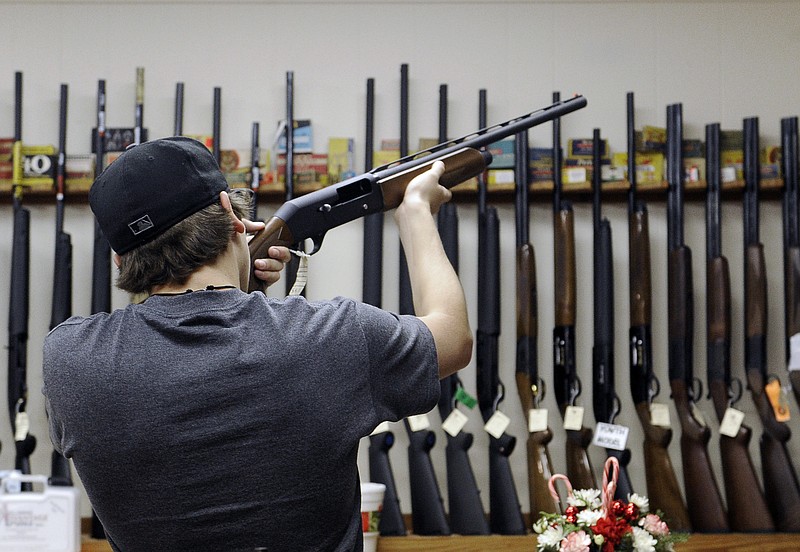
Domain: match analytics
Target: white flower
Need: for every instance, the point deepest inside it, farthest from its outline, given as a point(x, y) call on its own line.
point(589, 517)
point(599, 540)
point(641, 502)
point(585, 497)
point(550, 537)
point(643, 541)
point(540, 525)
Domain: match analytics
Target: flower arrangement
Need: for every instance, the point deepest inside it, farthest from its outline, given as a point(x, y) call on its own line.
point(594, 521)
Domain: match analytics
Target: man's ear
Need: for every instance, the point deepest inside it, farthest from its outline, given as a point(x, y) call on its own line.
point(117, 260)
point(225, 201)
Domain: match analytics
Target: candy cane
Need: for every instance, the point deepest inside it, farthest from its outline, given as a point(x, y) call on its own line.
point(609, 487)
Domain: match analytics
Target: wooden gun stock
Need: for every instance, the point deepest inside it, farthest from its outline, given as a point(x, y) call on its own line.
point(663, 488)
point(579, 470)
point(564, 258)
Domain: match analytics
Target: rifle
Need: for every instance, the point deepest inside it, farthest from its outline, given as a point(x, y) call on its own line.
point(427, 509)
point(466, 509)
point(780, 480)
point(381, 440)
point(505, 516)
point(62, 276)
point(605, 401)
point(101, 267)
point(138, 126)
point(791, 248)
point(382, 188)
point(702, 494)
point(255, 169)
point(565, 376)
point(747, 509)
point(663, 488)
point(18, 305)
point(178, 129)
point(530, 386)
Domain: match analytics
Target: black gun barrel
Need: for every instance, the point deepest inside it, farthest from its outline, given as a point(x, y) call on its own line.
point(216, 124)
point(178, 128)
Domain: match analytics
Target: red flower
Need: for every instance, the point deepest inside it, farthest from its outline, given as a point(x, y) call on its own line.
point(612, 530)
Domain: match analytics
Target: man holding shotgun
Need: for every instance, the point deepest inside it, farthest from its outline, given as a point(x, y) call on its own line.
point(207, 418)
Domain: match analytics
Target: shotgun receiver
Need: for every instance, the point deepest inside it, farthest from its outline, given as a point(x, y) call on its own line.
point(529, 385)
point(62, 275)
point(791, 248)
point(382, 189)
point(780, 480)
point(747, 508)
point(605, 401)
point(706, 511)
point(464, 500)
point(663, 488)
point(565, 375)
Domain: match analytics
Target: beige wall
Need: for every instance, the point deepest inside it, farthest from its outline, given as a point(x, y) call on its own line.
point(723, 60)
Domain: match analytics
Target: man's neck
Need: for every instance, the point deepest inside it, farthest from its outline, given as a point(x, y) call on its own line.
point(208, 277)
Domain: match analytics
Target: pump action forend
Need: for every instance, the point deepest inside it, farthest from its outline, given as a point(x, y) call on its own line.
point(382, 189)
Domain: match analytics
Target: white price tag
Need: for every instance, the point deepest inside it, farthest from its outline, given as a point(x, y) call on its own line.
point(537, 420)
point(302, 273)
point(610, 436)
point(573, 418)
point(794, 352)
point(455, 422)
point(731, 422)
point(659, 415)
point(22, 425)
point(419, 422)
point(698, 415)
point(497, 424)
point(383, 427)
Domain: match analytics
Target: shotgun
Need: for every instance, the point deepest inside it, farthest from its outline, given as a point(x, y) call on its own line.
point(791, 248)
point(780, 480)
point(101, 257)
point(464, 499)
point(60, 473)
point(565, 376)
point(382, 188)
point(178, 127)
point(663, 488)
point(427, 508)
point(139, 134)
point(18, 304)
point(530, 386)
point(255, 169)
point(381, 440)
point(216, 125)
point(747, 508)
point(706, 510)
point(293, 266)
point(605, 401)
point(505, 516)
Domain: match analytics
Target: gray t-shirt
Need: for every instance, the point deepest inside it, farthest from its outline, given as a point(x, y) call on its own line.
point(220, 420)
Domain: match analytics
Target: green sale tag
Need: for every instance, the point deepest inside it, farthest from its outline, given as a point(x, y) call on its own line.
point(465, 398)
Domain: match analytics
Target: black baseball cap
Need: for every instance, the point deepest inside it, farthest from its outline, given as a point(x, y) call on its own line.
point(151, 187)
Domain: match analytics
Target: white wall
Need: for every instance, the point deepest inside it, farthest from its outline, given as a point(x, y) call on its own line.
point(723, 60)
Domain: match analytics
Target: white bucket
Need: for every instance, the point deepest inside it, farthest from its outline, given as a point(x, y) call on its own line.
point(371, 506)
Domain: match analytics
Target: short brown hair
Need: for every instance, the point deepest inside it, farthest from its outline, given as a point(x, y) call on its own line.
point(174, 255)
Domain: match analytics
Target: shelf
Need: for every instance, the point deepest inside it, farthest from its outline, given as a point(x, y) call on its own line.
point(467, 193)
point(733, 542)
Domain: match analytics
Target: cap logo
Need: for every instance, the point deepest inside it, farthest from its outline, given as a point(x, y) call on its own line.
point(140, 225)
